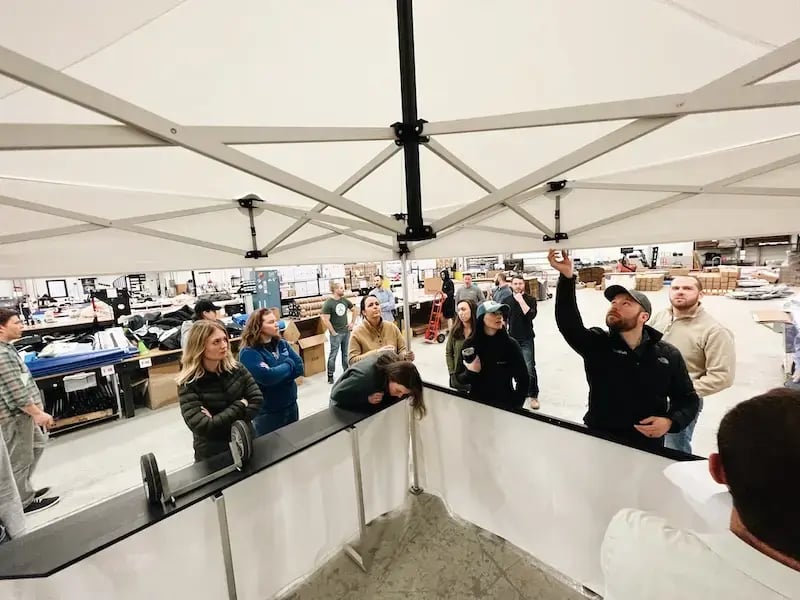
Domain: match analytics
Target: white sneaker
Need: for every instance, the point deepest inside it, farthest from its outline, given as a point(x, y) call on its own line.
point(533, 403)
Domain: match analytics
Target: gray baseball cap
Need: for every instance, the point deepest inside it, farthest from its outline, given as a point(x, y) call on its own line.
point(615, 290)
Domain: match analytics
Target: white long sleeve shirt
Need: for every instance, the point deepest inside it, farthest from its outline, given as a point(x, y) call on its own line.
point(643, 558)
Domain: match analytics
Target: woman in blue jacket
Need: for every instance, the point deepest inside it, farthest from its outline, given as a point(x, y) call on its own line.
point(274, 366)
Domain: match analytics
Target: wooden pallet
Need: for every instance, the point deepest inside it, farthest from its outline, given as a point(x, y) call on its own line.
point(85, 418)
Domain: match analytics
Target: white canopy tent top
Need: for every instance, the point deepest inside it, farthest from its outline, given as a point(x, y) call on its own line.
point(127, 132)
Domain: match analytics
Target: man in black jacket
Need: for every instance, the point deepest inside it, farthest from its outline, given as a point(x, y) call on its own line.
point(631, 371)
point(522, 312)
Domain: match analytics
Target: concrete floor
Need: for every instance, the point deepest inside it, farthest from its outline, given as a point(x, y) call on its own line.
point(423, 553)
point(89, 465)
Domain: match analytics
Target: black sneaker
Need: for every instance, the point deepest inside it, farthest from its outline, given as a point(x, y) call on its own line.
point(40, 504)
point(330, 378)
point(41, 492)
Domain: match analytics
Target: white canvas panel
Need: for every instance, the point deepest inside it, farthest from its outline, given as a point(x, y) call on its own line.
point(179, 557)
point(287, 520)
point(338, 249)
point(701, 169)
point(749, 22)
point(475, 58)
point(17, 220)
point(786, 177)
point(102, 202)
point(24, 24)
point(383, 445)
point(548, 490)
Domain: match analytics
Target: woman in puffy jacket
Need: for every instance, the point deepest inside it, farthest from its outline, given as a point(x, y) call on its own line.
point(214, 390)
point(275, 366)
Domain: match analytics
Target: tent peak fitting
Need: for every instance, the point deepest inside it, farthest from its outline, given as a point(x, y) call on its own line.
point(250, 204)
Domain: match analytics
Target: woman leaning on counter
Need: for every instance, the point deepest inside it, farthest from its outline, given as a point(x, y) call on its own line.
point(214, 390)
point(374, 335)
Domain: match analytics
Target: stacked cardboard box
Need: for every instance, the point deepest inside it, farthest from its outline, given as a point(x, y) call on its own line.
point(649, 282)
point(790, 274)
point(591, 274)
point(678, 272)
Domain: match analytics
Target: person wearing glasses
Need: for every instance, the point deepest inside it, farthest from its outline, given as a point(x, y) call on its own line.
point(378, 380)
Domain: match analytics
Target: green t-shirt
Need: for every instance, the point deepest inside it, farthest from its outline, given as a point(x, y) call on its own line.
point(337, 309)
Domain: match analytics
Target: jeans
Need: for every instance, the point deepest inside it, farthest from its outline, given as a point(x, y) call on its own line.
point(338, 341)
point(268, 422)
point(25, 442)
point(683, 439)
point(528, 352)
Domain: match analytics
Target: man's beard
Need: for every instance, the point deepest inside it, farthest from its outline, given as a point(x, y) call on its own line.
point(686, 305)
point(619, 324)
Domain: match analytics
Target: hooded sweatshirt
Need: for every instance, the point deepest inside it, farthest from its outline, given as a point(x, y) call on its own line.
point(706, 346)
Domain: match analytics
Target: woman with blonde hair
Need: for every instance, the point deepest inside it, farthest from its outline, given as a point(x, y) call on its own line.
point(275, 366)
point(214, 390)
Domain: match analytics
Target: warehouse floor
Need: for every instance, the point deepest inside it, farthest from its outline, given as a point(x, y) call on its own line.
point(90, 465)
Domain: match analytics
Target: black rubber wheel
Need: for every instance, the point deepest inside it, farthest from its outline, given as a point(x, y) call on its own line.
point(242, 436)
point(151, 479)
point(441, 338)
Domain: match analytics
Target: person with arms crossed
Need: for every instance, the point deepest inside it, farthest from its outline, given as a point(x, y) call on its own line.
point(275, 366)
point(334, 316)
point(758, 557)
point(385, 297)
point(706, 346)
point(639, 388)
point(22, 416)
point(522, 312)
point(214, 390)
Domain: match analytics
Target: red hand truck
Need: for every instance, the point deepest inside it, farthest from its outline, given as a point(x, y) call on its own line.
point(433, 331)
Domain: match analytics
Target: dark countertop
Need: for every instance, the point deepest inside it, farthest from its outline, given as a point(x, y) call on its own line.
point(80, 535)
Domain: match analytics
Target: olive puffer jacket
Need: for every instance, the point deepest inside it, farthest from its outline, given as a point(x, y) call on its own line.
point(221, 394)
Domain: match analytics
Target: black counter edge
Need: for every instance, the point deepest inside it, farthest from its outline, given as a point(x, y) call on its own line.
point(348, 419)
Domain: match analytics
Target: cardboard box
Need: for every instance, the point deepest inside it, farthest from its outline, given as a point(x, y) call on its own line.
point(312, 351)
point(162, 391)
point(678, 272)
point(433, 285)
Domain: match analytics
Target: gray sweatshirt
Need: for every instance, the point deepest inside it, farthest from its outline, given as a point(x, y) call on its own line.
point(357, 383)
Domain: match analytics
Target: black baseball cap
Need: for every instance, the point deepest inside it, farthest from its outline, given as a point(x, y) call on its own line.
point(202, 306)
point(615, 290)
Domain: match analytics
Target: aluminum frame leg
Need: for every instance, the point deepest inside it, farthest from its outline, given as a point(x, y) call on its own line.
point(225, 537)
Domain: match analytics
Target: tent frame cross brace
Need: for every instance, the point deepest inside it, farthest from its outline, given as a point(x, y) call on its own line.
point(141, 128)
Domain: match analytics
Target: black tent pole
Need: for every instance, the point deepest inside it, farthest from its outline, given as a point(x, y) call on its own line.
point(409, 132)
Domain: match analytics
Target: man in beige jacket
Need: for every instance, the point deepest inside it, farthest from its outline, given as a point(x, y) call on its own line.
point(706, 346)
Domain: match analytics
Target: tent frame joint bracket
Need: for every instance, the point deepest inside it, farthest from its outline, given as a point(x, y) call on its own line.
point(251, 202)
point(410, 133)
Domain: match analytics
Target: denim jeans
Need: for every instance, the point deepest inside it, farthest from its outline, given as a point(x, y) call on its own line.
point(683, 439)
point(528, 352)
point(338, 341)
point(266, 423)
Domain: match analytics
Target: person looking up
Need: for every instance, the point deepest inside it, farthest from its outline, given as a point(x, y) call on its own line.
point(386, 298)
point(465, 325)
point(495, 368)
point(375, 335)
point(334, 317)
point(639, 388)
point(275, 366)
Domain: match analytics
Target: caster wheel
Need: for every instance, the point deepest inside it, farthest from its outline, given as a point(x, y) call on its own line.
point(441, 338)
point(242, 438)
point(151, 479)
